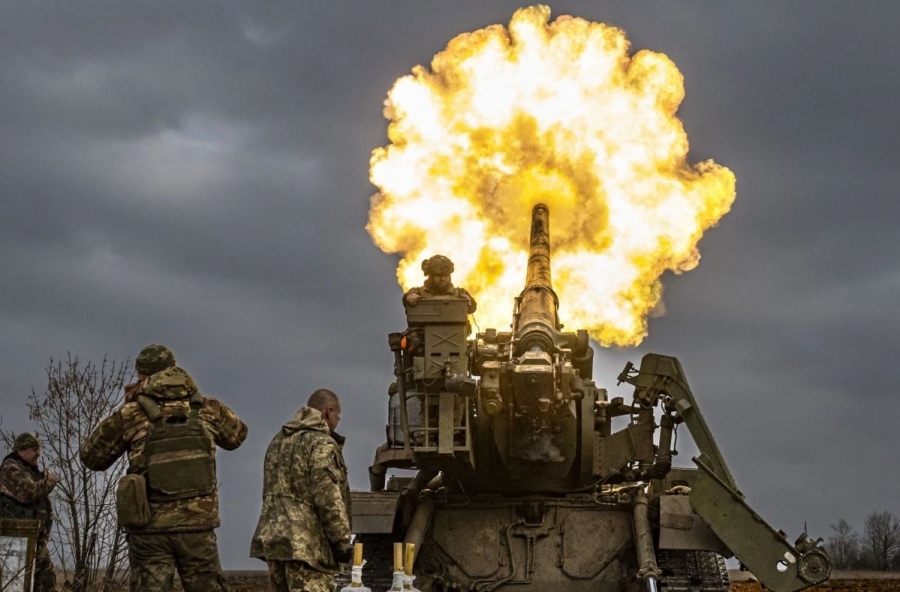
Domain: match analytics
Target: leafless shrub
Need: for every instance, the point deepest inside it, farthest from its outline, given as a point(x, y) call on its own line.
point(881, 539)
point(86, 540)
point(843, 546)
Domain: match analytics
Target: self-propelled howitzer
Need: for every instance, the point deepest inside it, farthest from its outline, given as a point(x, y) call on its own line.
point(522, 482)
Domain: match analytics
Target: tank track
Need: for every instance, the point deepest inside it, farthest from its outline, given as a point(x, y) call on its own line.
point(692, 571)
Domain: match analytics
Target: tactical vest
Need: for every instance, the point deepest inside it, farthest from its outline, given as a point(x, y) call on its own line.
point(178, 455)
point(10, 508)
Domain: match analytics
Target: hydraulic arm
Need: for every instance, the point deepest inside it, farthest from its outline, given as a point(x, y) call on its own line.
point(714, 497)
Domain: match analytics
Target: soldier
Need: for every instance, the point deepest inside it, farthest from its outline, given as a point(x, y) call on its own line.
point(437, 283)
point(162, 413)
point(25, 494)
point(303, 533)
point(437, 270)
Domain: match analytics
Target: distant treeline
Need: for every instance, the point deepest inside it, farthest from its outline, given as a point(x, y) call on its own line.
point(876, 548)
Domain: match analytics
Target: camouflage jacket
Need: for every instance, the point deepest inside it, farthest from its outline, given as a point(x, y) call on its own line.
point(454, 292)
point(25, 491)
point(306, 497)
point(126, 430)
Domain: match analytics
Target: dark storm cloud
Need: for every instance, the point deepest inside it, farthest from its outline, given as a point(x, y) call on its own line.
point(196, 174)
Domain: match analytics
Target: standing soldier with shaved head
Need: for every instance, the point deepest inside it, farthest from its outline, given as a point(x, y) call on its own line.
point(303, 533)
point(25, 495)
point(170, 432)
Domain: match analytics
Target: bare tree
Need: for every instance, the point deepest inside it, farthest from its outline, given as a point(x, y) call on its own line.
point(86, 540)
point(881, 539)
point(843, 546)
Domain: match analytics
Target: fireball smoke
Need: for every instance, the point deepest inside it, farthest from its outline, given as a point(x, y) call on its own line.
point(554, 112)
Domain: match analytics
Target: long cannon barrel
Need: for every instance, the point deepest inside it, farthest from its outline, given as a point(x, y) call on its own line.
point(537, 322)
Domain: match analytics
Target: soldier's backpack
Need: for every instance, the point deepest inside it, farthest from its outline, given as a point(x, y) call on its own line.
point(178, 454)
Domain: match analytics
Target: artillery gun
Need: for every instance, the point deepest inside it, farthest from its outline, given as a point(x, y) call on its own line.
point(522, 482)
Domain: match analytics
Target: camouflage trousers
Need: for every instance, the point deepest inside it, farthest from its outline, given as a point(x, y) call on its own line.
point(44, 575)
point(296, 576)
point(156, 557)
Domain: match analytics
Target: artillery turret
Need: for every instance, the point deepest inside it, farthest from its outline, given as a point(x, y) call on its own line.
point(521, 482)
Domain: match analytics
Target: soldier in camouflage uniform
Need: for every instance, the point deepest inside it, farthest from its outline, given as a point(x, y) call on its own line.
point(303, 533)
point(25, 494)
point(437, 271)
point(180, 534)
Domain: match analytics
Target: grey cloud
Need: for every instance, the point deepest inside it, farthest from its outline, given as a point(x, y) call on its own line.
point(196, 174)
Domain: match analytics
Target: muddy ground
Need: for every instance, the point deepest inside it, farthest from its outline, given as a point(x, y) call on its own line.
point(832, 586)
point(841, 581)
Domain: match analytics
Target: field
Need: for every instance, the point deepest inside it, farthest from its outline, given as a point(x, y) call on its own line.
point(832, 586)
point(841, 581)
point(255, 581)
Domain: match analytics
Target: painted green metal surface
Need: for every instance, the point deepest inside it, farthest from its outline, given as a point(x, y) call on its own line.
point(780, 566)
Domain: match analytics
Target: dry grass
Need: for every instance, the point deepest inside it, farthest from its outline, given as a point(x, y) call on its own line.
point(831, 586)
point(247, 581)
point(841, 581)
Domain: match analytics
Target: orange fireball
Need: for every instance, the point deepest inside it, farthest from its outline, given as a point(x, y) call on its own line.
point(555, 112)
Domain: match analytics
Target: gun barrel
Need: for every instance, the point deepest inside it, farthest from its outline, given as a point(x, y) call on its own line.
point(539, 252)
point(537, 322)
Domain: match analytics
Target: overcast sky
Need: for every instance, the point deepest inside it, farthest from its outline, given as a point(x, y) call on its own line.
point(196, 174)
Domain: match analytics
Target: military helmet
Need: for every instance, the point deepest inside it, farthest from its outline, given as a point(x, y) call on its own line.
point(437, 265)
point(154, 358)
point(26, 440)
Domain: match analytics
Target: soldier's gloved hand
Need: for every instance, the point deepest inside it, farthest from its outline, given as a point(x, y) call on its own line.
point(343, 556)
